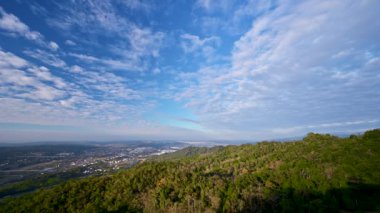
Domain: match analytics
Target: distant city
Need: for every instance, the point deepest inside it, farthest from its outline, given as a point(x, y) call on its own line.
point(43, 161)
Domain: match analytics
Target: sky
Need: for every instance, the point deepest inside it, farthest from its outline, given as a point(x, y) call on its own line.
point(103, 70)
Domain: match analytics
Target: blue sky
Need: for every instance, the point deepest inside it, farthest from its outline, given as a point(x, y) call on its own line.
point(188, 70)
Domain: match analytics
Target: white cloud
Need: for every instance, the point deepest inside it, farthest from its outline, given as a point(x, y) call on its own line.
point(231, 17)
point(17, 110)
point(11, 23)
point(252, 8)
point(48, 58)
point(70, 43)
point(70, 102)
point(76, 69)
point(91, 98)
point(18, 79)
point(135, 46)
point(84, 57)
point(142, 48)
point(108, 63)
point(282, 70)
point(191, 43)
point(91, 16)
point(110, 85)
point(10, 60)
point(43, 74)
point(295, 64)
point(44, 92)
point(325, 126)
point(53, 46)
point(144, 42)
point(30, 83)
point(194, 44)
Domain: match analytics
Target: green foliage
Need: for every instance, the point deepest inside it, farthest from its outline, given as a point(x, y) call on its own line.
point(38, 182)
point(372, 135)
point(322, 173)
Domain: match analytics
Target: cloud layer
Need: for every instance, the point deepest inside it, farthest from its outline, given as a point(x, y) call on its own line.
point(307, 64)
point(188, 70)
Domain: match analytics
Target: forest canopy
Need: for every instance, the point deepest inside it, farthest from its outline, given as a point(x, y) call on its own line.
point(321, 173)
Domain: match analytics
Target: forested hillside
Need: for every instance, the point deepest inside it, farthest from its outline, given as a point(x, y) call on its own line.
point(321, 173)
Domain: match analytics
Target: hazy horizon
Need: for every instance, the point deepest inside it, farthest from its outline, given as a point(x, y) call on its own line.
point(187, 70)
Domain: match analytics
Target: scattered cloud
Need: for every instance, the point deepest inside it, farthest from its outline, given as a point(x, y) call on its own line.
point(88, 16)
point(31, 83)
point(255, 69)
point(144, 42)
point(191, 43)
point(70, 43)
point(135, 46)
point(92, 98)
point(231, 17)
point(110, 85)
point(76, 69)
point(48, 58)
point(107, 63)
point(142, 46)
point(283, 69)
point(53, 46)
point(43, 74)
point(14, 25)
point(325, 126)
point(10, 60)
point(44, 92)
point(194, 44)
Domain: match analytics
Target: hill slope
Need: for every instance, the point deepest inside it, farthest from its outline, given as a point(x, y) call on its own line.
point(321, 173)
